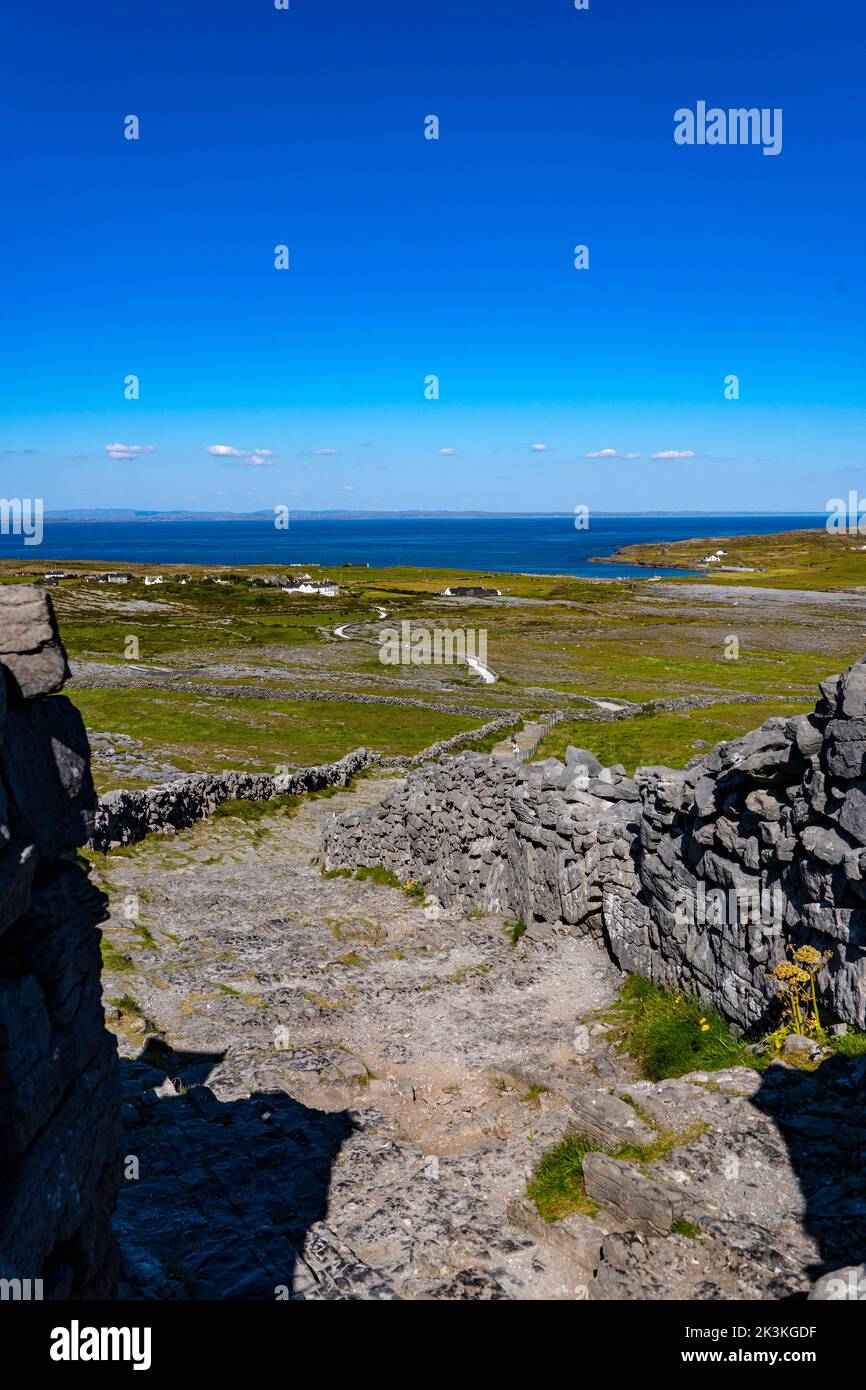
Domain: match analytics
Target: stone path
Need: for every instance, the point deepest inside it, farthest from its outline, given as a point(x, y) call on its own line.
point(362, 1132)
point(527, 737)
point(334, 1091)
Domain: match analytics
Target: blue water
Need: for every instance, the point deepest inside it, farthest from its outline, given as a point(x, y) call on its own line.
point(538, 545)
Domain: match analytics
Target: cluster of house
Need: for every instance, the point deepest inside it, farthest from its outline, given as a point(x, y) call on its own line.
point(713, 559)
point(109, 577)
point(301, 584)
point(288, 583)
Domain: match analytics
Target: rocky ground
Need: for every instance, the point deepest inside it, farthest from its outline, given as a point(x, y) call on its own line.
point(119, 757)
point(333, 1090)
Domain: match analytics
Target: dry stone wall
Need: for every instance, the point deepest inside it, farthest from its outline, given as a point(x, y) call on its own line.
point(60, 1138)
point(696, 878)
point(124, 817)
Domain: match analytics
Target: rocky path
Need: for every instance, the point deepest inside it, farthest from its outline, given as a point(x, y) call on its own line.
point(335, 1091)
point(527, 738)
point(404, 1051)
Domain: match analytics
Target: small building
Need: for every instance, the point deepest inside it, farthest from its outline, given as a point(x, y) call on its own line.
point(116, 577)
point(470, 591)
point(150, 579)
point(325, 588)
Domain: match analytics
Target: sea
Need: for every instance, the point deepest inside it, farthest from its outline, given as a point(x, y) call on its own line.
point(531, 545)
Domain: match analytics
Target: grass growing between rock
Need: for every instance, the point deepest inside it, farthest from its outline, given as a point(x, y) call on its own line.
point(672, 1034)
point(382, 877)
point(850, 1044)
point(113, 961)
point(514, 930)
point(557, 1187)
point(241, 809)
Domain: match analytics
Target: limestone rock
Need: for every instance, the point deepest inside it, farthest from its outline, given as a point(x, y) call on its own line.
point(31, 651)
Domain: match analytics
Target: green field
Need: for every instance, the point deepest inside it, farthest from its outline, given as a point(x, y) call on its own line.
point(666, 738)
point(554, 642)
point(201, 733)
point(815, 559)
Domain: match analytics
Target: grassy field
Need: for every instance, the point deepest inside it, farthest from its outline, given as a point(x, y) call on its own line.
point(554, 642)
point(815, 559)
point(202, 733)
point(668, 738)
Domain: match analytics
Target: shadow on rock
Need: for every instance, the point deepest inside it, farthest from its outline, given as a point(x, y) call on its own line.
point(821, 1116)
point(219, 1196)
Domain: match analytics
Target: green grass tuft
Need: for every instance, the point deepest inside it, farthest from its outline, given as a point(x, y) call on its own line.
point(113, 961)
point(672, 1034)
point(378, 874)
point(681, 1227)
point(240, 809)
point(557, 1187)
point(851, 1044)
point(514, 930)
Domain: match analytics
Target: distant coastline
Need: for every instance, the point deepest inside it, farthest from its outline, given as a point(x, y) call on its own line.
point(106, 514)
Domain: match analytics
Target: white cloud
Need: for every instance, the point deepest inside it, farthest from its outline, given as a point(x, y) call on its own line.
point(350, 487)
point(325, 453)
point(676, 454)
point(538, 448)
point(255, 458)
point(128, 451)
point(609, 454)
point(446, 453)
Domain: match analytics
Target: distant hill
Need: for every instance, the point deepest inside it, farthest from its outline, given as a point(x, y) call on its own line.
point(267, 514)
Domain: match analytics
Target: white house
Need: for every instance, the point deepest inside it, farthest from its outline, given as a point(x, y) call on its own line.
point(153, 579)
point(326, 588)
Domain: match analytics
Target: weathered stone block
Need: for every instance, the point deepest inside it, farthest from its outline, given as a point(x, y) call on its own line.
point(31, 652)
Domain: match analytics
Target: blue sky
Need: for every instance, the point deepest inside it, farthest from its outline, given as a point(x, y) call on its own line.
point(411, 257)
